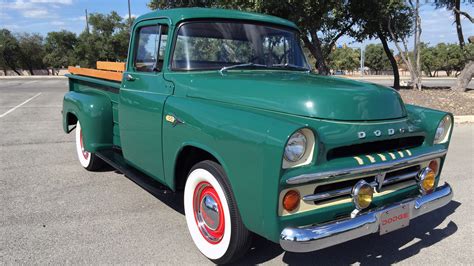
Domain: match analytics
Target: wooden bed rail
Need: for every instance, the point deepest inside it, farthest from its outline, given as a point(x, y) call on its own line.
point(105, 70)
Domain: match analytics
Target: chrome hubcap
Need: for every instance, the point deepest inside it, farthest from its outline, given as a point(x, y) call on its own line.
point(210, 212)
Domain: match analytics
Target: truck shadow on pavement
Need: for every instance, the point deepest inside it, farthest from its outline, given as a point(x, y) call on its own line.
point(372, 249)
point(174, 200)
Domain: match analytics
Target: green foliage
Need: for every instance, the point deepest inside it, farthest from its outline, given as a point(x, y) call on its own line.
point(31, 51)
point(430, 61)
point(9, 51)
point(59, 46)
point(445, 57)
point(322, 22)
point(373, 18)
point(451, 56)
point(107, 41)
point(166, 4)
point(375, 58)
point(345, 59)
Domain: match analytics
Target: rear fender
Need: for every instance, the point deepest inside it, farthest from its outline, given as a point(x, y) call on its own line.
point(94, 112)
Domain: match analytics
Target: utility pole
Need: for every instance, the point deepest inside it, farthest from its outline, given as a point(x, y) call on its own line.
point(87, 22)
point(129, 15)
point(362, 60)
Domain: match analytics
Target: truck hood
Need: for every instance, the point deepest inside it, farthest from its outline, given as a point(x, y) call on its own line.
point(297, 93)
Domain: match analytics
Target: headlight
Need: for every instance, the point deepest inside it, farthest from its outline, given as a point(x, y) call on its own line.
point(442, 132)
point(299, 148)
point(296, 147)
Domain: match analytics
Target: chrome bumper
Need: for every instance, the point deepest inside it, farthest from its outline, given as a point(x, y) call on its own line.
point(305, 239)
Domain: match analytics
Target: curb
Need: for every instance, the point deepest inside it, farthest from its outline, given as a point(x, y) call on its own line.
point(31, 77)
point(461, 119)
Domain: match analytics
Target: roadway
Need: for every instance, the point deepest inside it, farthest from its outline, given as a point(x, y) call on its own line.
point(55, 212)
point(428, 82)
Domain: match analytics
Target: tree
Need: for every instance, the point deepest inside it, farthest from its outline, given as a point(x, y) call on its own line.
point(107, 41)
point(413, 64)
point(372, 18)
point(59, 47)
point(468, 72)
point(345, 59)
point(322, 22)
point(375, 58)
point(9, 51)
point(31, 51)
point(431, 62)
point(167, 4)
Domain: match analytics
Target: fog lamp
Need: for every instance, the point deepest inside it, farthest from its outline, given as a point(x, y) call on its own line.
point(362, 194)
point(426, 180)
point(291, 200)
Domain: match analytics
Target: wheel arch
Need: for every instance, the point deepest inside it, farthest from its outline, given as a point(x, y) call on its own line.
point(94, 111)
point(187, 156)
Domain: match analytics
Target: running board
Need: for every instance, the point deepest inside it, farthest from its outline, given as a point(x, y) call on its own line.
point(115, 159)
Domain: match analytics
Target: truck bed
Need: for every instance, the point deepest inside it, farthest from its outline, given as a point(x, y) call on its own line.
point(101, 88)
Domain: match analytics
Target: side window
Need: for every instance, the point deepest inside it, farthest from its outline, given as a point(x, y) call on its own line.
point(150, 49)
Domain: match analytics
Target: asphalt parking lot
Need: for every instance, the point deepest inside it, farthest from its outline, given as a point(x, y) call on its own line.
point(55, 212)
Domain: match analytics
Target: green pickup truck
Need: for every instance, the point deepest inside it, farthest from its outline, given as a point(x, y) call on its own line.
point(223, 105)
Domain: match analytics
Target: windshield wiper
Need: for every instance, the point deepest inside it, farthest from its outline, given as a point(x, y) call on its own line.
point(292, 66)
point(222, 70)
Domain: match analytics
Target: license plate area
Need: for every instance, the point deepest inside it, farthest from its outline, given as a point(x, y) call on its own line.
point(394, 219)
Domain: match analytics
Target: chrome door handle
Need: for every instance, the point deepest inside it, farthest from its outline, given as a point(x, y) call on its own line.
point(130, 77)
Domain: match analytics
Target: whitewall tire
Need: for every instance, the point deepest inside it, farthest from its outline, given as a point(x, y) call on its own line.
point(212, 216)
point(88, 160)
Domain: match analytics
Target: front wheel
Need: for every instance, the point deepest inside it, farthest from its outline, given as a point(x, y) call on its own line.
point(212, 216)
point(88, 160)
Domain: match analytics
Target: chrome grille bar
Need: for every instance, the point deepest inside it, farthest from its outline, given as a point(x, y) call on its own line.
point(367, 169)
point(398, 178)
point(328, 195)
point(347, 191)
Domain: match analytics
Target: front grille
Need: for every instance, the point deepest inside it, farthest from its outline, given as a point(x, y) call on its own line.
point(323, 193)
point(375, 147)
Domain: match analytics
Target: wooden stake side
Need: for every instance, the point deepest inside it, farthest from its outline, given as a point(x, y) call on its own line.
point(111, 66)
point(102, 74)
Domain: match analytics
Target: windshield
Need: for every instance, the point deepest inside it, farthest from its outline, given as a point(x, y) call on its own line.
point(217, 45)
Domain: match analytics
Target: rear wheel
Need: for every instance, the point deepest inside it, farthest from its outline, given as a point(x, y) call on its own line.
point(212, 216)
point(88, 160)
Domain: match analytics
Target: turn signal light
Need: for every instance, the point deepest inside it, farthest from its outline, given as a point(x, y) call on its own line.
point(291, 200)
point(434, 166)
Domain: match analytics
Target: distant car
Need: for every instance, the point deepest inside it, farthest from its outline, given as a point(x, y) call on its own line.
point(223, 105)
point(339, 72)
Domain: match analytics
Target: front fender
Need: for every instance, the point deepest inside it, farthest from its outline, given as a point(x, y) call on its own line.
point(94, 112)
point(428, 119)
point(248, 143)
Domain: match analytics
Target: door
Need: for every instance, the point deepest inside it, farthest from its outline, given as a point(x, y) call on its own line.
point(142, 97)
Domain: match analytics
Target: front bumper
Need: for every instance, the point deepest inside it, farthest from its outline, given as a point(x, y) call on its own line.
point(310, 238)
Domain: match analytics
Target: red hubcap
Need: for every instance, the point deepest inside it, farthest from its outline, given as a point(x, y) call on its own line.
point(85, 154)
point(208, 212)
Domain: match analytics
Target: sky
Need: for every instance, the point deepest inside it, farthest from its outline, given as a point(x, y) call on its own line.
point(43, 16)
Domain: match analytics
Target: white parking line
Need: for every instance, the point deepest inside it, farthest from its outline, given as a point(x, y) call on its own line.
point(14, 108)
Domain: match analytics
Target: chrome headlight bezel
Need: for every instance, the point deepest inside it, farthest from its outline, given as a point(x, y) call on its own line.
point(443, 130)
point(306, 155)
